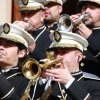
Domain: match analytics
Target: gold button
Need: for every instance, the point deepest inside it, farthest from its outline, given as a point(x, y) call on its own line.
point(85, 49)
point(82, 64)
point(84, 56)
point(63, 91)
point(51, 31)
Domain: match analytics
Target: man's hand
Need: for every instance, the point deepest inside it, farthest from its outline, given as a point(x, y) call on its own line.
point(21, 24)
point(31, 48)
point(61, 75)
point(75, 17)
point(84, 31)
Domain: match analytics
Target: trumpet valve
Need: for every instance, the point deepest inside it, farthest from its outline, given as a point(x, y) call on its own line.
point(58, 64)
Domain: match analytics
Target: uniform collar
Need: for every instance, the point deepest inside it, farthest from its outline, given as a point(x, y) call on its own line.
point(55, 23)
point(96, 28)
point(11, 69)
point(38, 31)
point(77, 75)
point(11, 72)
point(40, 28)
point(52, 28)
point(3, 71)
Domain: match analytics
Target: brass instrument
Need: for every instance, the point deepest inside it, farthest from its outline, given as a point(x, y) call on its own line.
point(26, 27)
point(31, 69)
point(65, 23)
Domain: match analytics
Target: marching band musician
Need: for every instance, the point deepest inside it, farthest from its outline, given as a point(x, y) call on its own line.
point(67, 79)
point(14, 42)
point(53, 9)
point(90, 30)
point(32, 12)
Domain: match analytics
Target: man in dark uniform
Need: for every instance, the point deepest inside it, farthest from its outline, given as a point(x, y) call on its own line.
point(67, 80)
point(53, 9)
point(32, 14)
point(14, 42)
point(91, 31)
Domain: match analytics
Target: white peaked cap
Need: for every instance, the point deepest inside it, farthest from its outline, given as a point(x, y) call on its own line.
point(31, 4)
point(63, 39)
point(16, 34)
point(81, 2)
point(61, 2)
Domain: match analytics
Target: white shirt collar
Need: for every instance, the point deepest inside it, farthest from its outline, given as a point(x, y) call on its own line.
point(4, 70)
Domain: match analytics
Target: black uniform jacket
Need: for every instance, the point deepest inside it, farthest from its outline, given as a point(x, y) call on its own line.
point(81, 89)
point(12, 84)
point(91, 55)
point(43, 42)
point(53, 28)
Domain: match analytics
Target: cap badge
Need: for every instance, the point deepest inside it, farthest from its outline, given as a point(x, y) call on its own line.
point(25, 2)
point(6, 28)
point(57, 36)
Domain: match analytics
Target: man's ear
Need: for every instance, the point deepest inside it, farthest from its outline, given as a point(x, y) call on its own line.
point(42, 16)
point(80, 56)
point(60, 9)
point(21, 53)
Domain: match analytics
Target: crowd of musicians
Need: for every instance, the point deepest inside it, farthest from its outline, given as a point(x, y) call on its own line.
point(47, 55)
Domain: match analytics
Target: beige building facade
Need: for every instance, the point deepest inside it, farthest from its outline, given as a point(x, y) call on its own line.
point(5, 11)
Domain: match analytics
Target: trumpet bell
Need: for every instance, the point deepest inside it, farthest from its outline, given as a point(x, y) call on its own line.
point(65, 23)
point(31, 69)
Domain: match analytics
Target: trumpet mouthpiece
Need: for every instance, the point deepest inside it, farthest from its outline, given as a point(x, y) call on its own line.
point(0, 53)
point(29, 24)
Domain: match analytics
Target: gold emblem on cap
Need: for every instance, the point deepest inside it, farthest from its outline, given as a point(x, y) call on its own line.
point(6, 28)
point(57, 36)
point(25, 2)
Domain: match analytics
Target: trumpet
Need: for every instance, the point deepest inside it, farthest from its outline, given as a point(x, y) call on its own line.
point(31, 69)
point(65, 23)
point(0, 53)
point(26, 27)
